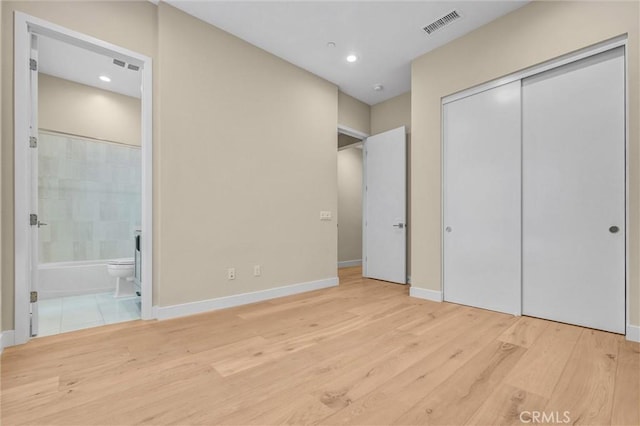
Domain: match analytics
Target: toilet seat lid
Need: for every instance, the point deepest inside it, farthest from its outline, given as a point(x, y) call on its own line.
point(121, 262)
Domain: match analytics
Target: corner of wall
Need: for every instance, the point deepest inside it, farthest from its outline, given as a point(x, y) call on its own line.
point(353, 113)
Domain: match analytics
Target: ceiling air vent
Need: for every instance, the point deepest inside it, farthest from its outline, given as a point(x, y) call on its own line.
point(133, 67)
point(442, 22)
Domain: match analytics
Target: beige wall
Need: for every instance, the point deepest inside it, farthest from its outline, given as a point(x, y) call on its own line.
point(533, 34)
point(391, 114)
point(349, 204)
point(69, 107)
point(244, 153)
point(353, 113)
point(128, 24)
point(247, 162)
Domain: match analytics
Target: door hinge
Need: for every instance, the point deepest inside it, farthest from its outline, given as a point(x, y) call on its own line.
point(33, 142)
point(33, 65)
point(33, 297)
point(33, 219)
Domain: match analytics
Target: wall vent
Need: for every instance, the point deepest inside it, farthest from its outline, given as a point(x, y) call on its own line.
point(133, 67)
point(442, 22)
point(119, 63)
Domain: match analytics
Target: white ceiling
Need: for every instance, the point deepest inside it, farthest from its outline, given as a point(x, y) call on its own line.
point(70, 62)
point(385, 35)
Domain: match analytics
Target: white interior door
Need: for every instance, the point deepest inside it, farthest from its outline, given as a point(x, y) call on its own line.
point(574, 193)
point(33, 154)
point(385, 201)
point(482, 241)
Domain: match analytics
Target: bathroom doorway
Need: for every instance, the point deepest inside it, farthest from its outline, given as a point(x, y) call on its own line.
point(88, 186)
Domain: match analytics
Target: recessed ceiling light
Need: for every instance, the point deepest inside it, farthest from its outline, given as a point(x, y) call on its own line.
point(352, 58)
point(378, 87)
point(331, 44)
point(105, 78)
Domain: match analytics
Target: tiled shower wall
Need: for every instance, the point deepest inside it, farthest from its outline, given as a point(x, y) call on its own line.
point(89, 194)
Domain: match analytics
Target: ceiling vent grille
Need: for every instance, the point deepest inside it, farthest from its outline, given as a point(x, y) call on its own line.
point(119, 63)
point(442, 22)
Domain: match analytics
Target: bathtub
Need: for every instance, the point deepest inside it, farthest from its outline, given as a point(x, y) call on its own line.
point(62, 279)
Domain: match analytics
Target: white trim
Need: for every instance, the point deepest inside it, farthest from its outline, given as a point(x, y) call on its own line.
point(26, 25)
point(174, 311)
point(21, 169)
point(537, 69)
point(365, 271)
point(423, 293)
point(627, 210)
point(633, 333)
point(346, 130)
point(349, 263)
point(7, 338)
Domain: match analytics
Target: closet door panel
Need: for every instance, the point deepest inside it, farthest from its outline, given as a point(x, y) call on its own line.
point(574, 193)
point(482, 216)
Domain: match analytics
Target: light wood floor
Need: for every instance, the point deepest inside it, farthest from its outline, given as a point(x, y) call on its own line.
point(360, 353)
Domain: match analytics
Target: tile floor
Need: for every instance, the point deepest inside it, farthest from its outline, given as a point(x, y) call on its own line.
point(64, 314)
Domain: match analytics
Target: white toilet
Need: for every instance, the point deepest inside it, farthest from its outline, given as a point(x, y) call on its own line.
point(122, 269)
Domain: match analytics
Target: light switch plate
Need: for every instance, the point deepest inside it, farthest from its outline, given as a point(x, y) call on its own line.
point(325, 215)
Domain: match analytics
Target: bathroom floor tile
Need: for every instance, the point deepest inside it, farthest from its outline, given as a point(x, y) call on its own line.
point(71, 313)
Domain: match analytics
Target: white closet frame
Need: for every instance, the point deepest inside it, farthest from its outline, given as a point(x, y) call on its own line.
point(520, 75)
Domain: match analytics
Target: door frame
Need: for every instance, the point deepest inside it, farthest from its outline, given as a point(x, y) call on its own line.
point(362, 137)
point(520, 75)
point(26, 25)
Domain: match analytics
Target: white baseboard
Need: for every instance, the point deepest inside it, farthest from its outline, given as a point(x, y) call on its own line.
point(633, 333)
point(174, 311)
point(7, 338)
point(349, 263)
point(422, 293)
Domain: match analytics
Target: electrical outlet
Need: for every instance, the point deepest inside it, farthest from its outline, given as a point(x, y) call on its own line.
point(257, 271)
point(325, 215)
point(231, 273)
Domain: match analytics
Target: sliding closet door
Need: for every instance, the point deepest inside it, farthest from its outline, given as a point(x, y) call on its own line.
point(482, 199)
point(574, 193)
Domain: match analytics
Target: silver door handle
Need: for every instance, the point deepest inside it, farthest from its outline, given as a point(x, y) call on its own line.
point(399, 225)
point(41, 224)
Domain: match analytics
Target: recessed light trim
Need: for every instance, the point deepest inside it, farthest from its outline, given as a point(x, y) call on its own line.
point(352, 58)
point(378, 87)
point(331, 44)
point(105, 78)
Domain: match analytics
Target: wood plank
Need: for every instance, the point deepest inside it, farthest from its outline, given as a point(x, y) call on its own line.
point(626, 400)
point(524, 332)
point(458, 398)
point(540, 368)
point(585, 389)
point(508, 405)
point(425, 375)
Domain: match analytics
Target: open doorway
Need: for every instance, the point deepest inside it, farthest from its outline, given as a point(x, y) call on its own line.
point(85, 185)
point(350, 177)
point(372, 203)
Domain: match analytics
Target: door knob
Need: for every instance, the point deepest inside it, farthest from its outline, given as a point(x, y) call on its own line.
point(399, 225)
point(614, 229)
point(448, 229)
